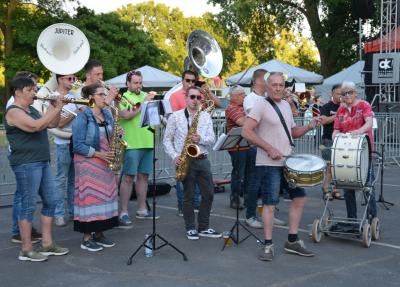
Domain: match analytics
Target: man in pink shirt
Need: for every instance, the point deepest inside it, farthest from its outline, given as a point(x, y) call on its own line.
point(177, 99)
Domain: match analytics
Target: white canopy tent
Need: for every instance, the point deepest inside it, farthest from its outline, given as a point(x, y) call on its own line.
point(354, 73)
point(297, 74)
point(152, 78)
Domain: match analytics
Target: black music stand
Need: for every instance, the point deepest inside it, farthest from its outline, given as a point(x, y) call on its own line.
point(230, 141)
point(151, 112)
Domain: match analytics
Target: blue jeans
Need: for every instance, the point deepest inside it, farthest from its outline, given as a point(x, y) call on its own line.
point(238, 186)
point(271, 179)
point(65, 179)
point(33, 179)
point(179, 195)
point(253, 183)
point(350, 198)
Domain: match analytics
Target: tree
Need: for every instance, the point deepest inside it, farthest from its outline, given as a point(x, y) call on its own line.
point(169, 29)
point(333, 29)
point(8, 17)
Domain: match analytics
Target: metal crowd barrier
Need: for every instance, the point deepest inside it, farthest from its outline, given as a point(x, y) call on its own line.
point(386, 137)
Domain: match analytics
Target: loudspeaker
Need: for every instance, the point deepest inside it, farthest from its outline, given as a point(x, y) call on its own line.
point(363, 9)
point(162, 189)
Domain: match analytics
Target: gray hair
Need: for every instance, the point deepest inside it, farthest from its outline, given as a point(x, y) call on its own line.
point(236, 89)
point(349, 85)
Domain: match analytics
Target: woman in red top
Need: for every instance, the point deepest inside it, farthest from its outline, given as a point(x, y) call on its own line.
point(355, 116)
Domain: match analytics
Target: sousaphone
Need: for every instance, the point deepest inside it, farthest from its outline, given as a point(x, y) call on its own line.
point(63, 49)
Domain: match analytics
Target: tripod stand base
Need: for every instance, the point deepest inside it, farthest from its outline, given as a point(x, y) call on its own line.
point(384, 202)
point(152, 238)
point(236, 238)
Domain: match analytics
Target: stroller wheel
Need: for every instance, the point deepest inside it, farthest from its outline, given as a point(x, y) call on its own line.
point(316, 231)
point(366, 235)
point(375, 228)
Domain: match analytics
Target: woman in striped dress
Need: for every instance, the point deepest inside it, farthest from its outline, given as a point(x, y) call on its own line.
point(96, 205)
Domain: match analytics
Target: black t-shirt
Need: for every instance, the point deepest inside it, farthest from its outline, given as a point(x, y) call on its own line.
point(329, 109)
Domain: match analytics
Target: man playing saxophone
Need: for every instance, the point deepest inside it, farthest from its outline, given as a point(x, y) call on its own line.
point(179, 134)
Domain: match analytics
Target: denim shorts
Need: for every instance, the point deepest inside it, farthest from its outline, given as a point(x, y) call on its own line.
point(270, 178)
point(327, 151)
point(35, 179)
point(138, 161)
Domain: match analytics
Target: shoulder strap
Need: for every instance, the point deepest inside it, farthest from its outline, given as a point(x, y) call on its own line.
point(278, 111)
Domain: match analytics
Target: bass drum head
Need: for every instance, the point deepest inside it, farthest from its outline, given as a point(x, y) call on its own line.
point(305, 163)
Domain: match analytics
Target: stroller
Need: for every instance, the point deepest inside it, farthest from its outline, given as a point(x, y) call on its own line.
point(352, 168)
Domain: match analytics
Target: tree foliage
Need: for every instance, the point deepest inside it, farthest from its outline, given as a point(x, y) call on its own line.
point(333, 28)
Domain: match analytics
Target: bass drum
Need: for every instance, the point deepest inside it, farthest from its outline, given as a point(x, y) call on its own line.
point(302, 170)
point(350, 161)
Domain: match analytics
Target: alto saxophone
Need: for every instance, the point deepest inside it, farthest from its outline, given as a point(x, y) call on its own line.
point(117, 144)
point(190, 150)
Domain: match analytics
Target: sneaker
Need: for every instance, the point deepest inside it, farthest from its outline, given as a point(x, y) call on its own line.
point(192, 234)
point(254, 222)
point(103, 241)
point(210, 233)
point(298, 247)
point(90, 245)
point(267, 253)
point(146, 215)
point(31, 256)
point(36, 235)
point(125, 222)
point(278, 221)
point(180, 212)
point(17, 239)
point(60, 221)
point(53, 249)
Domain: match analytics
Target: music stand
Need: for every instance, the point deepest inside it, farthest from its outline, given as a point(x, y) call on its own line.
point(381, 199)
point(151, 112)
point(228, 142)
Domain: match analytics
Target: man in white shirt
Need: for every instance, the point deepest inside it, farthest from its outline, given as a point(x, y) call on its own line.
point(199, 170)
point(65, 179)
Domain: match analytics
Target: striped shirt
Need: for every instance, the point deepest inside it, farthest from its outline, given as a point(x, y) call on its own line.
point(232, 114)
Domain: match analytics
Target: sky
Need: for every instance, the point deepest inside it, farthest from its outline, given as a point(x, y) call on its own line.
point(188, 7)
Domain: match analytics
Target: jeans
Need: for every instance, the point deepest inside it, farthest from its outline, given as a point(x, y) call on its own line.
point(271, 180)
point(253, 183)
point(179, 195)
point(199, 172)
point(33, 179)
point(350, 198)
point(15, 211)
point(238, 186)
point(65, 180)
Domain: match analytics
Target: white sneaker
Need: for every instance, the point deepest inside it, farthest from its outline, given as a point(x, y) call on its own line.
point(60, 221)
point(192, 234)
point(254, 222)
point(278, 221)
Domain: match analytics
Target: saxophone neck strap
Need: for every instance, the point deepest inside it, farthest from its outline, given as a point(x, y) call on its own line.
point(187, 118)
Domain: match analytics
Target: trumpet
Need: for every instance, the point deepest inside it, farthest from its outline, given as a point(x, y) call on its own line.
point(121, 98)
point(85, 102)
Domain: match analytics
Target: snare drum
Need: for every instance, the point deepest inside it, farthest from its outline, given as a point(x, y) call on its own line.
point(304, 170)
point(350, 161)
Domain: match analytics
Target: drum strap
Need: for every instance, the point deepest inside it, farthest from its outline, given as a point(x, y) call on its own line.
point(278, 111)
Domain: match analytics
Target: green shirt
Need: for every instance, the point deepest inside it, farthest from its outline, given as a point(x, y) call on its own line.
point(135, 136)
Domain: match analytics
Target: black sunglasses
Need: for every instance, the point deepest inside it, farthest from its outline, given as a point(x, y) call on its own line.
point(190, 80)
point(192, 97)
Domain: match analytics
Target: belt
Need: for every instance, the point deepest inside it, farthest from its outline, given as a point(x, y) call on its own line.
point(202, 156)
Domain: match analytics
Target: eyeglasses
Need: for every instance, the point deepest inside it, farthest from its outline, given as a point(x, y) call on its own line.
point(192, 97)
point(347, 94)
point(71, 79)
point(190, 80)
point(101, 94)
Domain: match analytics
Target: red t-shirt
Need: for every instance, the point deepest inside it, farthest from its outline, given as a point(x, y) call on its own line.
point(232, 114)
point(347, 121)
point(177, 100)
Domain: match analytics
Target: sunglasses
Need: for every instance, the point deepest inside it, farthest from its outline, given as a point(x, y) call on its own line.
point(190, 80)
point(347, 94)
point(192, 97)
point(71, 79)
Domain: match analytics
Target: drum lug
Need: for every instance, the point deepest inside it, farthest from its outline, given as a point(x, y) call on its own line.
point(292, 183)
